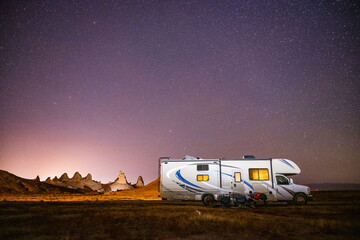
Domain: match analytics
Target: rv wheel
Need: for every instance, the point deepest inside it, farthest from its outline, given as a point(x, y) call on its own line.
point(300, 199)
point(208, 199)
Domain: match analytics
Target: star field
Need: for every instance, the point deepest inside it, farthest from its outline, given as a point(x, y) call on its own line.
point(99, 87)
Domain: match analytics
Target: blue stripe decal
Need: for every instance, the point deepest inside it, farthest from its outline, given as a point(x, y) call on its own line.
point(248, 184)
point(178, 175)
point(288, 163)
point(229, 166)
point(190, 189)
point(228, 174)
point(184, 187)
point(225, 173)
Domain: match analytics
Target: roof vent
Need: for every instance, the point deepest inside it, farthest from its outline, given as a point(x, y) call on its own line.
point(187, 157)
point(248, 157)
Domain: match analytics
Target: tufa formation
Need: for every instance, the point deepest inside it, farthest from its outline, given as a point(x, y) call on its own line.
point(78, 182)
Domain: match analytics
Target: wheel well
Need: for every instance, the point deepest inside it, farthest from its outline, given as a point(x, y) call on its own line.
point(208, 201)
point(300, 194)
point(207, 194)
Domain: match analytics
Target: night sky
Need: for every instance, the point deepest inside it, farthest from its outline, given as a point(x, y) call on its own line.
point(103, 86)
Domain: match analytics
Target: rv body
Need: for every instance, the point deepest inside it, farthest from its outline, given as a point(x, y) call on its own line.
point(210, 179)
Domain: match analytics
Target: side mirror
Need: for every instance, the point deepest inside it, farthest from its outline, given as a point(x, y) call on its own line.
point(291, 181)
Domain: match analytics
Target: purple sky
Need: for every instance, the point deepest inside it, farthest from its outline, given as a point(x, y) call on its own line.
point(103, 86)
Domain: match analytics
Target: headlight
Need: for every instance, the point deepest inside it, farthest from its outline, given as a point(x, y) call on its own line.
point(309, 191)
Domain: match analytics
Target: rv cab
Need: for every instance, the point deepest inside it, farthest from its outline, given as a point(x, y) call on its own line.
point(286, 190)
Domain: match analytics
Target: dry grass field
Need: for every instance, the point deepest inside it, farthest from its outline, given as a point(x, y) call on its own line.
point(333, 215)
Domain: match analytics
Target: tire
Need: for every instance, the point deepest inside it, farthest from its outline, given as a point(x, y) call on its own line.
point(300, 199)
point(208, 199)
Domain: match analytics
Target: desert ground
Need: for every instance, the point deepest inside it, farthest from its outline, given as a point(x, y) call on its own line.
point(332, 215)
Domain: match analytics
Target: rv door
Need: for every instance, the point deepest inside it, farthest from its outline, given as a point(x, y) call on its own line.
point(237, 185)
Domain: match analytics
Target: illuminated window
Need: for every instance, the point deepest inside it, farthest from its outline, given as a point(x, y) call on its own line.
point(237, 177)
point(259, 174)
point(203, 177)
point(203, 167)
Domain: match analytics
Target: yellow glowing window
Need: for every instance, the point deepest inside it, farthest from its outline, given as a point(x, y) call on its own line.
point(259, 174)
point(237, 177)
point(203, 177)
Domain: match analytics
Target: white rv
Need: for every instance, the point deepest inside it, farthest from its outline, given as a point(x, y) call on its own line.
point(210, 179)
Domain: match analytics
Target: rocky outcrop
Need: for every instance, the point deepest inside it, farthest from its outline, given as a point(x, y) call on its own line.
point(37, 179)
point(88, 177)
point(120, 183)
point(139, 182)
point(64, 177)
point(76, 182)
point(106, 187)
point(121, 179)
point(76, 177)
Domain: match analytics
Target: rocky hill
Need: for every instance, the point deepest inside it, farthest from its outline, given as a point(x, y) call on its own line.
point(10, 183)
point(149, 192)
point(153, 186)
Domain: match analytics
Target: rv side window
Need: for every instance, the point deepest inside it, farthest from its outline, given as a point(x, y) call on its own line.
point(203, 167)
point(237, 177)
point(281, 180)
point(203, 177)
point(261, 174)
